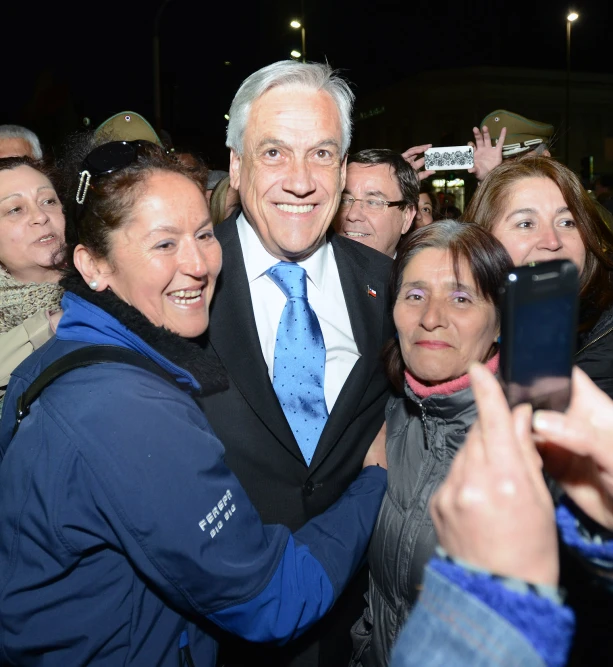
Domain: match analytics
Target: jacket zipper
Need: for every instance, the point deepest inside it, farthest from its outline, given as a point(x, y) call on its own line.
point(608, 331)
point(423, 424)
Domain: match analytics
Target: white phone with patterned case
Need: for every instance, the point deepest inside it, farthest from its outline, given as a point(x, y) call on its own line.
point(449, 157)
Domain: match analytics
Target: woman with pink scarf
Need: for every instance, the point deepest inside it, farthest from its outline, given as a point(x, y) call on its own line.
point(445, 279)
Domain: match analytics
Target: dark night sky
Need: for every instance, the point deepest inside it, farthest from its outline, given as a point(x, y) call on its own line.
point(73, 59)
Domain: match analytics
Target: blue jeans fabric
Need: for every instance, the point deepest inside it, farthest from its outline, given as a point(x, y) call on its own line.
point(451, 627)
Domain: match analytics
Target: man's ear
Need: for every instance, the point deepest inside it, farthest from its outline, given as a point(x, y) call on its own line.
point(93, 270)
point(235, 169)
point(409, 215)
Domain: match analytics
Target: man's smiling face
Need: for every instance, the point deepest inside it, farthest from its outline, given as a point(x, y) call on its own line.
point(381, 228)
point(291, 173)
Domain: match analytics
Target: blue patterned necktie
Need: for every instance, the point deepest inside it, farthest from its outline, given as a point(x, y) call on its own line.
point(300, 359)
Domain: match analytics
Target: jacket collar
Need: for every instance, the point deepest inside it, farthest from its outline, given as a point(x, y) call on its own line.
point(450, 407)
point(87, 323)
point(103, 318)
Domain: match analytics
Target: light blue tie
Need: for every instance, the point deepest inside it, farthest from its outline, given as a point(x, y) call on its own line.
point(300, 360)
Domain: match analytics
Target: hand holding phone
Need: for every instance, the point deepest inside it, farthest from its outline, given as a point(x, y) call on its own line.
point(538, 331)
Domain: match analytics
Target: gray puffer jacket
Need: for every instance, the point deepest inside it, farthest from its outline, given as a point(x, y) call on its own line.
point(423, 436)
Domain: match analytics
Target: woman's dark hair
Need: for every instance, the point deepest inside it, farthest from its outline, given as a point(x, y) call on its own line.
point(24, 161)
point(487, 259)
point(110, 198)
point(491, 198)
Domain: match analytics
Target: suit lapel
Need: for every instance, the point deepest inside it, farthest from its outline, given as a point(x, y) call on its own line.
point(234, 337)
point(367, 315)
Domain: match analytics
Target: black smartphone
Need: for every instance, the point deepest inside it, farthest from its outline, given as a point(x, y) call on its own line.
point(538, 334)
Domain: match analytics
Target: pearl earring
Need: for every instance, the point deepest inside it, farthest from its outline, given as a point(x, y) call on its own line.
point(93, 284)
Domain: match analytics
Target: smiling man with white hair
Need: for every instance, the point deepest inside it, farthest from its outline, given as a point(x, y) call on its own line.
point(298, 320)
point(17, 141)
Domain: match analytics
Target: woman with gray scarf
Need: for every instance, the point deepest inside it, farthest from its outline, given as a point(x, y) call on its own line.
point(31, 235)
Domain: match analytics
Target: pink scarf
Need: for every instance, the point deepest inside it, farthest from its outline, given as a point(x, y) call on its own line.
point(450, 387)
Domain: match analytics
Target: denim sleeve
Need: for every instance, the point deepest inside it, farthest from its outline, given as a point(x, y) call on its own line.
point(452, 626)
point(536, 612)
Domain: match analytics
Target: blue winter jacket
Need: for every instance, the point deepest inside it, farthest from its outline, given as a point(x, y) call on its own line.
point(122, 532)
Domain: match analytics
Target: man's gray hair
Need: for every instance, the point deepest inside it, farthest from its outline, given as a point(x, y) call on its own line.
point(18, 132)
point(316, 76)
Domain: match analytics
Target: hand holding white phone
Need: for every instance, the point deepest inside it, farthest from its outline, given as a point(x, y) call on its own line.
point(449, 157)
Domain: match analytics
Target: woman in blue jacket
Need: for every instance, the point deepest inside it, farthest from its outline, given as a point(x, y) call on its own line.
point(124, 538)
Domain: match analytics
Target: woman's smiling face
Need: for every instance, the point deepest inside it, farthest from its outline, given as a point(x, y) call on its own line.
point(537, 226)
point(165, 260)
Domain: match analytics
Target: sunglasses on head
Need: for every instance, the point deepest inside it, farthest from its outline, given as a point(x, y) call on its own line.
point(107, 159)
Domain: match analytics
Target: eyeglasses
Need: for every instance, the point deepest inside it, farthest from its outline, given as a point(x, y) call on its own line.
point(106, 159)
point(373, 204)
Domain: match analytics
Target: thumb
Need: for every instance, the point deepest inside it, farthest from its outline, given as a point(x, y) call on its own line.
point(562, 430)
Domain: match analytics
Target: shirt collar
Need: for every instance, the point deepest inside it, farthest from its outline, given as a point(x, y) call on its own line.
point(258, 260)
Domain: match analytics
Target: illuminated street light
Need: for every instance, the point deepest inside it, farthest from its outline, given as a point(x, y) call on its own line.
point(226, 117)
point(295, 54)
point(572, 16)
point(296, 25)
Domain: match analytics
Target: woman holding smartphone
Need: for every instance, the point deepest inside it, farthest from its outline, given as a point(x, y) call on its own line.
point(538, 209)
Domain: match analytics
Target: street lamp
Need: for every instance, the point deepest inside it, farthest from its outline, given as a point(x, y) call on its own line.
point(572, 16)
point(295, 54)
point(296, 25)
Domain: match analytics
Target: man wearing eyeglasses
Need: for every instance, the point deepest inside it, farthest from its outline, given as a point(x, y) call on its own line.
point(379, 201)
point(298, 321)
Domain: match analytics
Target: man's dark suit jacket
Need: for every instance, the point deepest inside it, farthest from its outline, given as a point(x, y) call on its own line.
point(260, 446)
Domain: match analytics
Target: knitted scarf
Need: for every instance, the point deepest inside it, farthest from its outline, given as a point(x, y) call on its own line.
point(449, 387)
point(18, 301)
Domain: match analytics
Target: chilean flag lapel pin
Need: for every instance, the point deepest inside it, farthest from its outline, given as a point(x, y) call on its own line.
point(371, 292)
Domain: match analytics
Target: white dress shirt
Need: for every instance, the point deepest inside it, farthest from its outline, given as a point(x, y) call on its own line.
point(326, 298)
